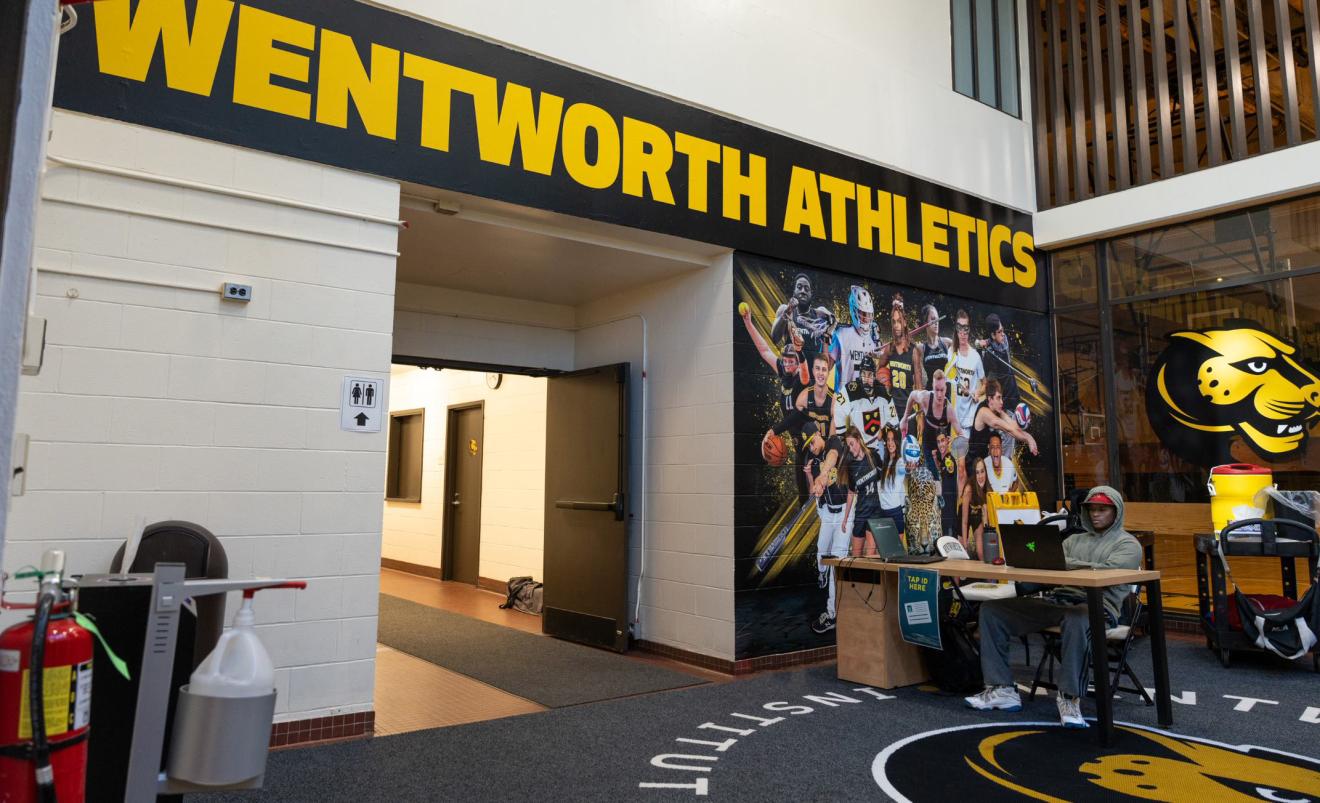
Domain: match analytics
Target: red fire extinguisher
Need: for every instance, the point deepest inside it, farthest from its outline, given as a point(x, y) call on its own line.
point(48, 658)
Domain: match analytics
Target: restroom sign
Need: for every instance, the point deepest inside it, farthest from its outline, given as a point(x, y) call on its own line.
point(361, 406)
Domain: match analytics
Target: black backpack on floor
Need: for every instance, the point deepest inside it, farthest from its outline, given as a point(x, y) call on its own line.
point(956, 669)
point(524, 595)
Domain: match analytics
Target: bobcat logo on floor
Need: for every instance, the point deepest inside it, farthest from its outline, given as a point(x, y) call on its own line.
point(1042, 761)
point(1208, 386)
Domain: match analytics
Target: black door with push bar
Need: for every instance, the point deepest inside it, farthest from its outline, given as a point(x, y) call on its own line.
point(586, 512)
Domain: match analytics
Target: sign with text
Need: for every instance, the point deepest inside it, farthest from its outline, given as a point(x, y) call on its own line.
point(919, 607)
point(348, 84)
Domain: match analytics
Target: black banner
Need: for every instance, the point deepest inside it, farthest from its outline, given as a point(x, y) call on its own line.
point(346, 84)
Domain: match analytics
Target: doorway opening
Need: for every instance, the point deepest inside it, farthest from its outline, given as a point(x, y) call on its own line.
point(516, 395)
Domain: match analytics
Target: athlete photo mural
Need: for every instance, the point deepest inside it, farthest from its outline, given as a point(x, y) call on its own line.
point(858, 401)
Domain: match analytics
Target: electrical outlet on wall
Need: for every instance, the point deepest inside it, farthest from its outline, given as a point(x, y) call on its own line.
point(236, 292)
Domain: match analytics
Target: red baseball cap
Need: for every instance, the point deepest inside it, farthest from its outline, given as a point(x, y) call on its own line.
point(1100, 499)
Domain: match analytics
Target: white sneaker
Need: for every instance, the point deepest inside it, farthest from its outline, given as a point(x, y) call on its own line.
point(1000, 698)
point(1070, 712)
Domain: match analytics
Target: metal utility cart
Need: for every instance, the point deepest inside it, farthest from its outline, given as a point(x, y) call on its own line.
point(1212, 591)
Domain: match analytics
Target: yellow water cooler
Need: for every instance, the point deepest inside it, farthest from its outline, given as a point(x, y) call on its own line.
point(1233, 490)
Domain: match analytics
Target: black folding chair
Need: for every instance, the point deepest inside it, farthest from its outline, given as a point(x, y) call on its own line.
point(1118, 644)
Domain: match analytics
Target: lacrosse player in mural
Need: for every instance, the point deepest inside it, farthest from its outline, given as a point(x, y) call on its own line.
point(860, 338)
point(933, 351)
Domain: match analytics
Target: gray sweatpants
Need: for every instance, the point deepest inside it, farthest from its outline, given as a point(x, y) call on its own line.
point(1005, 619)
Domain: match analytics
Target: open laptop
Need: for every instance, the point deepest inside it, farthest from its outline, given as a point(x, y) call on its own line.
point(1032, 546)
point(890, 545)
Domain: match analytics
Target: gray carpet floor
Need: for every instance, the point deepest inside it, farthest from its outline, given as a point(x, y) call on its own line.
point(544, 670)
point(806, 735)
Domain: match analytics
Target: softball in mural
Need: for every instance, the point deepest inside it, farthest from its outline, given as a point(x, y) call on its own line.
point(855, 401)
point(1216, 385)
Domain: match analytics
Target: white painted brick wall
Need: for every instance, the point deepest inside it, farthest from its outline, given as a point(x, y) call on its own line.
point(159, 403)
point(687, 585)
point(513, 471)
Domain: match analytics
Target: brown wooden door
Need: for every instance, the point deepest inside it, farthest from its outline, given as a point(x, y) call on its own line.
point(586, 528)
point(465, 449)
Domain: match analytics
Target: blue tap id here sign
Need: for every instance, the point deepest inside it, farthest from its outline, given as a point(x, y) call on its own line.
point(919, 607)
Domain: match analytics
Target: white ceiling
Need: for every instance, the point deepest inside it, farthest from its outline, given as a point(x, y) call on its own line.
point(502, 249)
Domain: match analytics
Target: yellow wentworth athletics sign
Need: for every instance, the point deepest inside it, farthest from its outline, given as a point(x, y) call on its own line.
point(347, 84)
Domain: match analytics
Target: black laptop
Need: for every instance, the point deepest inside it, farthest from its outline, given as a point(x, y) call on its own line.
point(890, 545)
point(1032, 546)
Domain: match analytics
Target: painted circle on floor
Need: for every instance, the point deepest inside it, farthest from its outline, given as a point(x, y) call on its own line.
point(1043, 761)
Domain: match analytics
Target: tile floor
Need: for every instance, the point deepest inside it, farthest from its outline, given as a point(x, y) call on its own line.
point(412, 694)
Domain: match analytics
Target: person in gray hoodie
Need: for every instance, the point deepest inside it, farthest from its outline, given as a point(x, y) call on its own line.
point(1104, 545)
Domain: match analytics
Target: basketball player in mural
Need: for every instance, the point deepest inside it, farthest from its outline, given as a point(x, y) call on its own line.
point(865, 404)
point(861, 337)
point(798, 322)
point(793, 377)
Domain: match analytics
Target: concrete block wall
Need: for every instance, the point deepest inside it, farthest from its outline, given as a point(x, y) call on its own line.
point(686, 563)
point(158, 400)
point(512, 468)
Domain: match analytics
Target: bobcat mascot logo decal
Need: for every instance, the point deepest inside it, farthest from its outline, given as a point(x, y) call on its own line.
point(1209, 386)
point(1038, 761)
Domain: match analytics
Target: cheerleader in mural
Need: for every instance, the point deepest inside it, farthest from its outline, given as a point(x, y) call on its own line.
point(973, 509)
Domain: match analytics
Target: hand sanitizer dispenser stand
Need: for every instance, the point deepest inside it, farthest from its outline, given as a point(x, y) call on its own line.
point(222, 728)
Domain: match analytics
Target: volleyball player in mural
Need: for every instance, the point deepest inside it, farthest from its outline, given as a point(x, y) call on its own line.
point(990, 419)
point(865, 404)
point(799, 322)
point(854, 341)
point(973, 509)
